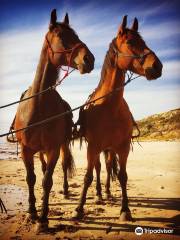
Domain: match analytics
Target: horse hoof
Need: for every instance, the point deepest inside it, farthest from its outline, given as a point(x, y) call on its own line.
point(125, 216)
point(31, 217)
point(99, 199)
point(41, 227)
point(78, 215)
point(66, 196)
point(108, 196)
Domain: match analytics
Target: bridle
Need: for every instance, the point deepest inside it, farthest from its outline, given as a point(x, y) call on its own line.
point(51, 53)
point(141, 57)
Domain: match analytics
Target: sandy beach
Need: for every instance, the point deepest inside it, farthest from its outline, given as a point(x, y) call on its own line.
point(153, 190)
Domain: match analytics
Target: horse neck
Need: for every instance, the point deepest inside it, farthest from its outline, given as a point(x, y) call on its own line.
point(46, 73)
point(112, 77)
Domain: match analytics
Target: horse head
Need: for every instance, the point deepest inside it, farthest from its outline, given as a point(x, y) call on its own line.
point(65, 47)
point(134, 54)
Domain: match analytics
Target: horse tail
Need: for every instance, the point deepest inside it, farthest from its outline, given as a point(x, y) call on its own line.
point(68, 160)
point(113, 159)
point(114, 173)
point(79, 133)
point(71, 165)
point(137, 128)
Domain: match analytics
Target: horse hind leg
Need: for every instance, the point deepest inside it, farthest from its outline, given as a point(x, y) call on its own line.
point(98, 181)
point(27, 156)
point(52, 157)
point(43, 162)
point(111, 168)
point(68, 167)
point(108, 169)
point(92, 157)
point(125, 213)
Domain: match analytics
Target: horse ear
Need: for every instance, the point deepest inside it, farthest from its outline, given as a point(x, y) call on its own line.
point(53, 18)
point(66, 19)
point(123, 25)
point(135, 25)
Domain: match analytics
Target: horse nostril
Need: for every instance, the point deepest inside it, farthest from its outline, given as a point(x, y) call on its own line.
point(86, 59)
point(157, 66)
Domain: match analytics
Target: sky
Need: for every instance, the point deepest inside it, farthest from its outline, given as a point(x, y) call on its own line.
point(23, 25)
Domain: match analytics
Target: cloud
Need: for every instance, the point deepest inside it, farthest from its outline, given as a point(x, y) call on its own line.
point(155, 100)
point(168, 52)
point(159, 31)
point(145, 11)
point(171, 70)
point(19, 55)
point(20, 50)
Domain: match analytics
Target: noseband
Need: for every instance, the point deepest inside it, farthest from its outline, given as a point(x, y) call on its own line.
point(120, 54)
point(64, 51)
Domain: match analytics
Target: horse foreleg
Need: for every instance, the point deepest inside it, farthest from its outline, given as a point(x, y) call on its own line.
point(92, 157)
point(43, 162)
point(98, 181)
point(64, 155)
point(27, 156)
point(108, 169)
point(125, 214)
point(52, 157)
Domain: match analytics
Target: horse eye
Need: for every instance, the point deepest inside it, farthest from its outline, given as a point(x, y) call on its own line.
point(59, 34)
point(130, 42)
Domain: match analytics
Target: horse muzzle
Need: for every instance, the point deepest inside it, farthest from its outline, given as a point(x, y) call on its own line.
point(88, 64)
point(154, 72)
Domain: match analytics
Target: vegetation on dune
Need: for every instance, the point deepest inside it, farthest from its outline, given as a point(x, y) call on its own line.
point(161, 127)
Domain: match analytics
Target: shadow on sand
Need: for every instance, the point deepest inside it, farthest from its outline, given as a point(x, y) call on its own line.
point(106, 223)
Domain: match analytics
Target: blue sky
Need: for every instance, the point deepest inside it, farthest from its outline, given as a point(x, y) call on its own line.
point(23, 25)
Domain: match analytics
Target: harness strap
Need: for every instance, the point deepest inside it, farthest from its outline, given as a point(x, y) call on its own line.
point(63, 51)
point(120, 54)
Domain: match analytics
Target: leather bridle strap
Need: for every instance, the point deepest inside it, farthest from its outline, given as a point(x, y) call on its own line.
point(64, 51)
point(120, 54)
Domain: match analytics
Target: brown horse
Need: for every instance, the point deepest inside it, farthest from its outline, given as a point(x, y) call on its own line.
point(67, 159)
point(107, 123)
point(61, 46)
point(68, 164)
point(111, 162)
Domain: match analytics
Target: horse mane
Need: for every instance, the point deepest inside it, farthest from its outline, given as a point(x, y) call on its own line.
point(64, 25)
point(109, 59)
point(137, 34)
point(108, 62)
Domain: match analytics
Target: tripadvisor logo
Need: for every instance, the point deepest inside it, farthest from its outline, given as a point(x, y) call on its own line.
point(140, 231)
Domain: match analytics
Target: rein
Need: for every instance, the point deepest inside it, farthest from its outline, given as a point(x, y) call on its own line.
point(130, 78)
point(67, 72)
point(41, 92)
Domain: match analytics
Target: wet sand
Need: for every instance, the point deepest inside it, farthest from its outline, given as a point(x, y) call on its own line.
point(153, 190)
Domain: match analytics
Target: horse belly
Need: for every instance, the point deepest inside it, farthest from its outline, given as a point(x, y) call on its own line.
point(108, 130)
point(45, 135)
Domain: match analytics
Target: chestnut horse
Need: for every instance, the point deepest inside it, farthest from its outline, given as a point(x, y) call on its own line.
point(67, 159)
point(61, 46)
point(107, 123)
point(68, 164)
point(111, 162)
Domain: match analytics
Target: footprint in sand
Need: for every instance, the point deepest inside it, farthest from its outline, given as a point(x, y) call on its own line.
point(74, 185)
